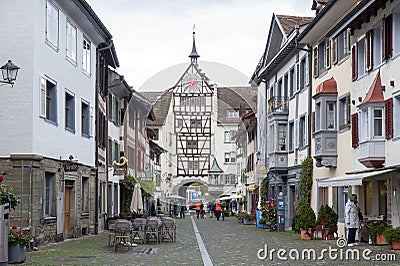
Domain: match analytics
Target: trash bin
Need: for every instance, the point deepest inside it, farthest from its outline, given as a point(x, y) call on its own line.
point(258, 217)
point(4, 227)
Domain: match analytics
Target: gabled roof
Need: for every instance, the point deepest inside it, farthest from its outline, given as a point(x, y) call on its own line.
point(160, 106)
point(375, 93)
point(289, 23)
point(235, 98)
point(215, 169)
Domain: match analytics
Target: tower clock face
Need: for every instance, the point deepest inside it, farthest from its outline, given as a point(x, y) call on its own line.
point(191, 83)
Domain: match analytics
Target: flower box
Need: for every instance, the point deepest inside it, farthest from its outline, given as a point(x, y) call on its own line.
point(247, 221)
point(16, 253)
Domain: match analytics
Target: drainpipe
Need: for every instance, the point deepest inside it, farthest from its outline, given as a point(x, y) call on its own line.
point(309, 97)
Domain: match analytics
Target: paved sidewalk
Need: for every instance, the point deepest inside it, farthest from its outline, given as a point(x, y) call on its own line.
point(226, 243)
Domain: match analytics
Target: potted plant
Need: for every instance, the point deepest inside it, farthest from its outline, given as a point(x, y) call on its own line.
point(17, 243)
point(248, 218)
point(240, 216)
point(305, 222)
point(6, 195)
point(264, 223)
point(377, 233)
point(393, 237)
point(328, 219)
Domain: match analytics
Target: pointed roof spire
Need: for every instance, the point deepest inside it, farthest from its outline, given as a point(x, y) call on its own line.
point(194, 55)
point(215, 169)
point(375, 93)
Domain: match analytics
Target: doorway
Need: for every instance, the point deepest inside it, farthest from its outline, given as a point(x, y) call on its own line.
point(68, 202)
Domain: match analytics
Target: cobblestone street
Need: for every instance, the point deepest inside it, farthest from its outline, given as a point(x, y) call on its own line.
point(226, 243)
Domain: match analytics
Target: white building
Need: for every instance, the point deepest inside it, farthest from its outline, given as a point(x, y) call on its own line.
point(49, 114)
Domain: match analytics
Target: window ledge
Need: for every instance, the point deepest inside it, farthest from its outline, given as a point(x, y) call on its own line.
point(85, 214)
point(70, 130)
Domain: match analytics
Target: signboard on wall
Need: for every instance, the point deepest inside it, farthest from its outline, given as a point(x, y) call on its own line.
point(195, 196)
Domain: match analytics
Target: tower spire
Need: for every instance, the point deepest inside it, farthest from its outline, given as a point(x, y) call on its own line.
point(194, 55)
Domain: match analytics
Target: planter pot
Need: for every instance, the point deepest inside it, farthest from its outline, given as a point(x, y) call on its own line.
point(396, 245)
point(381, 240)
point(264, 226)
point(16, 253)
point(325, 233)
point(240, 220)
point(247, 222)
point(306, 234)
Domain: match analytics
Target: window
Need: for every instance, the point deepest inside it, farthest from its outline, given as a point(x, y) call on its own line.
point(114, 151)
point(279, 91)
point(48, 99)
point(344, 112)
point(317, 116)
point(378, 123)
point(322, 57)
point(303, 74)
point(71, 42)
point(179, 123)
point(85, 195)
point(193, 165)
point(361, 57)
point(102, 130)
point(52, 21)
point(86, 54)
point(330, 115)
point(285, 86)
point(368, 197)
point(229, 136)
point(291, 135)
point(322, 196)
point(364, 126)
point(49, 195)
point(156, 132)
point(233, 114)
point(227, 157)
point(292, 84)
point(69, 111)
point(195, 123)
point(387, 38)
point(377, 45)
point(342, 43)
point(396, 119)
point(302, 132)
point(192, 144)
point(114, 109)
point(233, 156)
point(282, 137)
point(396, 31)
point(85, 122)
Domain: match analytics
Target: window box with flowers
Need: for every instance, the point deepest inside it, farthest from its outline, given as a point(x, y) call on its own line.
point(17, 243)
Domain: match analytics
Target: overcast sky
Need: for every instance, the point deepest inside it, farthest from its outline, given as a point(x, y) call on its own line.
point(153, 35)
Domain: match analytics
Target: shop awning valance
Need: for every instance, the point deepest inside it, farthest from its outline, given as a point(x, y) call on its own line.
point(349, 179)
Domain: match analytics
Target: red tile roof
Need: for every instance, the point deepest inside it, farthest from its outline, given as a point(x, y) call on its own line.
point(290, 22)
point(327, 87)
point(375, 93)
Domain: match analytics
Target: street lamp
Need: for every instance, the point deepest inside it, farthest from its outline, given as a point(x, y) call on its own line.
point(9, 72)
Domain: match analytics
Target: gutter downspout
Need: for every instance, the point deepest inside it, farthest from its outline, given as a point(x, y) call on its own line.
point(309, 51)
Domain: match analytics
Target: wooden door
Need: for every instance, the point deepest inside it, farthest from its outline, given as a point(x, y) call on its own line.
point(67, 212)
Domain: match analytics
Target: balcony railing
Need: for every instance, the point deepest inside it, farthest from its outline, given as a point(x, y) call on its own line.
point(278, 104)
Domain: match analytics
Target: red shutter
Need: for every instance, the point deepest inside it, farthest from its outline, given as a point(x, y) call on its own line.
point(389, 118)
point(369, 49)
point(354, 130)
point(354, 70)
point(383, 39)
point(389, 27)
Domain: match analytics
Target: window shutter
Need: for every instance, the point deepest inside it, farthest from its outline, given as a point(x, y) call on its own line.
point(42, 97)
point(389, 118)
point(389, 31)
point(354, 130)
point(348, 110)
point(347, 42)
point(91, 122)
point(354, 70)
point(384, 55)
point(334, 51)
point(312, 124)
point(297, 76)
point(328, 53)
point(307, 67)
point(315, 61)
point(369, 49)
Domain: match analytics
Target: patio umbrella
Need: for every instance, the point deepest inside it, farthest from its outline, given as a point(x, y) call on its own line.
point(175, 196)
point(137, 201)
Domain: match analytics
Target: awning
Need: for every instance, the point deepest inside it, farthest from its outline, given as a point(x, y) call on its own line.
point(349, 179)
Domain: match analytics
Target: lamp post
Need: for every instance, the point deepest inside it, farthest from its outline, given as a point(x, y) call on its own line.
point(9, 72)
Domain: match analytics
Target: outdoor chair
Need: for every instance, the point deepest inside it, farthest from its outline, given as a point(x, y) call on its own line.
point(138, 229)
point(123, 234)
point(153, 230)
point(168, 229)
point(111, 231)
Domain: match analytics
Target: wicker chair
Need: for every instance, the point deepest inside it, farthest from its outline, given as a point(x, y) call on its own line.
point(123, 234)
point(138, 229)
point(168, 229)
point(153, 230)
point(111, 231)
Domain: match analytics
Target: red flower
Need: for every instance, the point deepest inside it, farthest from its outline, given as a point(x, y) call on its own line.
point(1, 178)
point(4, 172)
point(16, 235)
point(25, 233)
point(14, 227)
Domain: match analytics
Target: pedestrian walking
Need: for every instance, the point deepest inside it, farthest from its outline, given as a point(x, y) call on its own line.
point(212, 209)
point(198, 208)
point(352, 219)
point(218, 210)
point(183, 209)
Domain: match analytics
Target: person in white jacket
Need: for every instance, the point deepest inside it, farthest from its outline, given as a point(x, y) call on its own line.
point(351, 219)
